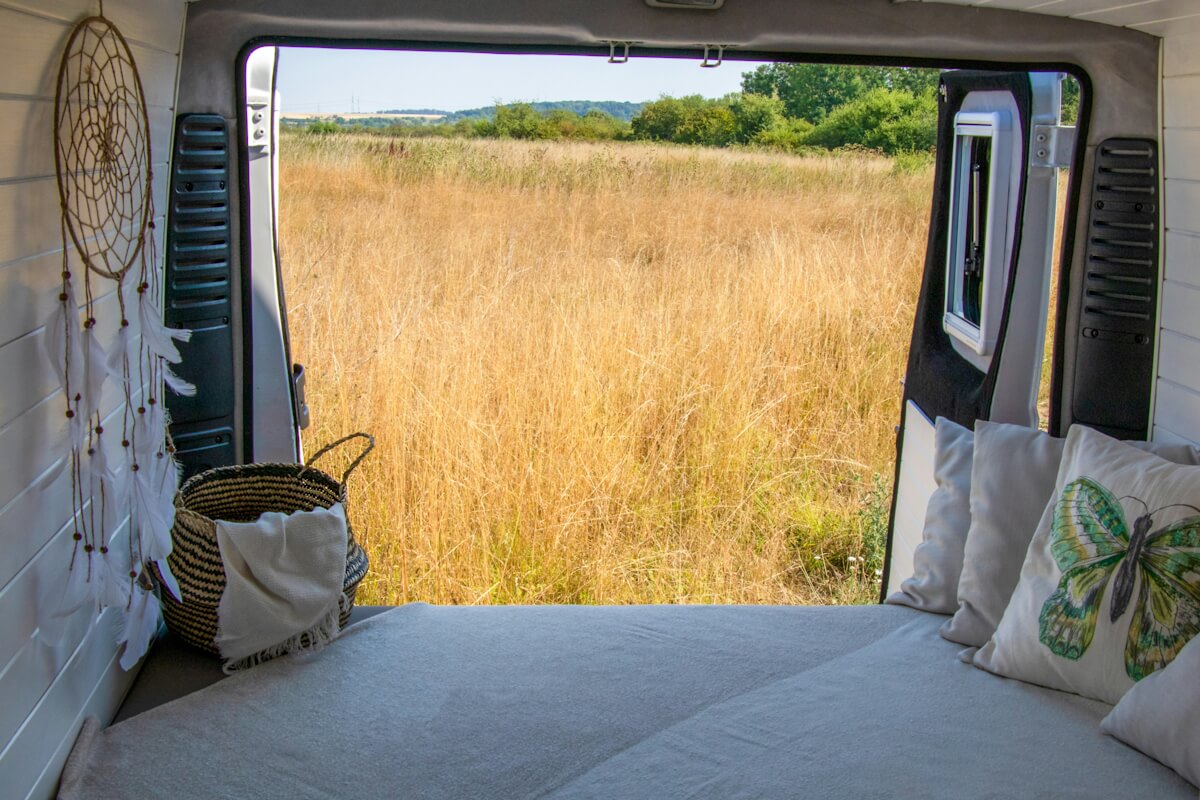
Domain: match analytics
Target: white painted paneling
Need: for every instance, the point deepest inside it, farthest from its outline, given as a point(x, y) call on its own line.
point(1182, 257)
point(1180, 109)
point(33, 44)
point(150, 30)
point(913, 490)
point(30, 660)
point(1176, 406)
point(24, 200)
point(1179, 305)
point(32, 284)
point(1181, 154)
point(57, 715)
point(1182, 201)
point(26, 357)
point(1141, 14)
point(47, 688)
point(1165, 436)
point(29, 124)
point(1181, 55)
point(1178, 359)
point(41, 510)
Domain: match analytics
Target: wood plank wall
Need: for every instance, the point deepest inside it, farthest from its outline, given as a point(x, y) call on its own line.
point(1177, 393)
point(45, 691)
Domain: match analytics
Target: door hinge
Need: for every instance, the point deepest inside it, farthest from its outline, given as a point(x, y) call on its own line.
point(1053, 146)
point(302, 416)
point(258, 126)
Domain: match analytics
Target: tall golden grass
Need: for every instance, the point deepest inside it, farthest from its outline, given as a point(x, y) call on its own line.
point(617, 373)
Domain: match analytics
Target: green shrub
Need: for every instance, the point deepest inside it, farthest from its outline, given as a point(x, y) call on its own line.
point(887, 120)
point(787, 134)
point(687, 120)
point(754, 115)
point(322, 127)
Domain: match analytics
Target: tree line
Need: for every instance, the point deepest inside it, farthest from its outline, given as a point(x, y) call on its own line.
point(791, 107)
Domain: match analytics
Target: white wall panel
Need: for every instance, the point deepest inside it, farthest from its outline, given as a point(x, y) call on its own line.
point(1182, 257)
point(29, 124)
point(1180, 109)
point(46, 689)
point(1177, 394)
point(25, 200)
point(1181, 54)
point(159, 30)
point(32, 284)
point(1181, 154)
point(1181, 199)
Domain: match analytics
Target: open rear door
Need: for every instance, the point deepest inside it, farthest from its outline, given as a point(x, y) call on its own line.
point(980, 325)
point(273, 412)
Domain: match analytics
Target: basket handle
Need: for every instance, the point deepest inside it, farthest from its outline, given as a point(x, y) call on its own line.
point(336, 442)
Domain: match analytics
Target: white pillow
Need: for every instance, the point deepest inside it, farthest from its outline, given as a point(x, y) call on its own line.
point(938, 559)
point(1161, 715)
point(1110, 588)
point(1012, 479)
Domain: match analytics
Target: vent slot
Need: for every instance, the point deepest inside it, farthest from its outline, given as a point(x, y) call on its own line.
point(1115, 354)
point(199, 250)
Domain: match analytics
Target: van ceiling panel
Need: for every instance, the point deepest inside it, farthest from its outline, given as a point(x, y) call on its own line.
point(1142, 15)
point(218, 29)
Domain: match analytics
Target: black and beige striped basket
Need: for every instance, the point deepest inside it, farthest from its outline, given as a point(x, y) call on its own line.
point(243, 493)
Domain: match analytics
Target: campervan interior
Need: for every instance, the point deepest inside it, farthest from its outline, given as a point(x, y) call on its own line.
point(650, 701)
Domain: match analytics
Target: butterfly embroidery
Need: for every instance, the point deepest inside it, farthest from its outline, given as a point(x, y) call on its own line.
point(1091, 543)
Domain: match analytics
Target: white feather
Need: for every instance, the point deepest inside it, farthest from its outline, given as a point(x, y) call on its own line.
point(120, 352)
point(141, 624)
point(117, 499)
point(177, 384)
point(80, 588)
point(95, 370)
point(77, 430)
point(154, 502)
point(149, 431)
point(168, 580)
point(116, 581)
point(157, 337)
point(61, 341)
point(51, 621)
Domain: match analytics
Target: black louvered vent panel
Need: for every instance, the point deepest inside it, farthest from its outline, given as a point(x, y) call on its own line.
point(1115, 357)
point(198, 284)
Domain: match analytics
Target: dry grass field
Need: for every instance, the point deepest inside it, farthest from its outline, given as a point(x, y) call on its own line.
point(616, 373)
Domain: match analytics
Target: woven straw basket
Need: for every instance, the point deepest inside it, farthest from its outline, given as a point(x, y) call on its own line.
point(242, 494)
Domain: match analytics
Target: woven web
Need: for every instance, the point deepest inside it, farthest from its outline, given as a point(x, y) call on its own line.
point(102, 148)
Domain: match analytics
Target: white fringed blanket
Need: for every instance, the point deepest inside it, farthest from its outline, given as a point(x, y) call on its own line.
point(630, 702)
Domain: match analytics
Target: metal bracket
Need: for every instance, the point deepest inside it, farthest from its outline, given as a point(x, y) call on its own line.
point(258, 126)
point(1053, 146)
point(708, 63)
point(613, 58)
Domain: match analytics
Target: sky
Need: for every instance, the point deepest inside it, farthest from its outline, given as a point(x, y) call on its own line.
point(328, 81)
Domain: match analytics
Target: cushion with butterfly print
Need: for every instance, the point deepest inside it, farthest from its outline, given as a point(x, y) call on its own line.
point(1110, 589)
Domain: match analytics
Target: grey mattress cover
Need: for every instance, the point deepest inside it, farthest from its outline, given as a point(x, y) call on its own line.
point(616, 702)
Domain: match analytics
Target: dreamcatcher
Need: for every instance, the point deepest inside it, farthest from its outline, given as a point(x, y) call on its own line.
point(122, 466)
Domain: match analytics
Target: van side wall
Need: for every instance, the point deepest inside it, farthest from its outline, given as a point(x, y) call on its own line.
point(1177, 390)
point(45, 692)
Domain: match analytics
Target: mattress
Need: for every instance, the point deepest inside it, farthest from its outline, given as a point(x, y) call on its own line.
point(621, 702)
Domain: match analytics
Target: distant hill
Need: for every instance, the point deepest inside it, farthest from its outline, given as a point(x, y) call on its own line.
point(620, 110)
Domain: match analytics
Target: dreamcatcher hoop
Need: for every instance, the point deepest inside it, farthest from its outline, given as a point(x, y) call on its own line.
point(102, 148)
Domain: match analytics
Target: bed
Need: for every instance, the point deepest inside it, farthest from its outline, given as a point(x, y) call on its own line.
point(621, 702)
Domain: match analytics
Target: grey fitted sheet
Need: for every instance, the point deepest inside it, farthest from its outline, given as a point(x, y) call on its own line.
point(621, 702)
